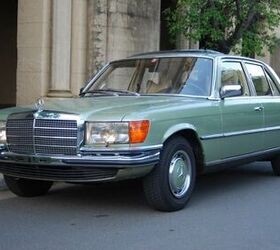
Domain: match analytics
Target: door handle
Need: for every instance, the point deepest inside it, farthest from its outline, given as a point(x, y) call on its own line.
point(258, 109)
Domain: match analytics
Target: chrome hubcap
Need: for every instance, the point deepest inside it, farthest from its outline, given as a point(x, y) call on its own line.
point(180, 173)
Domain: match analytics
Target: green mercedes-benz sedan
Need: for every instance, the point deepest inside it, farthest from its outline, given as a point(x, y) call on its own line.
point(164, 117)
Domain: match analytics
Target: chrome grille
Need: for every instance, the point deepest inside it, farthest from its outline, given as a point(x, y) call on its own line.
point(42, 136)
point(52, 132)
point(20, 136)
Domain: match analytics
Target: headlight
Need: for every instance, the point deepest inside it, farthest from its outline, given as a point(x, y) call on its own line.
point(108, 133)
point(116, 132)
point(2, 132)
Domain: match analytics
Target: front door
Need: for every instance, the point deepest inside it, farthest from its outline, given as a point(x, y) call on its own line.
point(242, 116)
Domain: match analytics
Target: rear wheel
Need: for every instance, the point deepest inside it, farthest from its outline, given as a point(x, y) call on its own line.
point(26, 187)
point(169, 186)
point(276, 165)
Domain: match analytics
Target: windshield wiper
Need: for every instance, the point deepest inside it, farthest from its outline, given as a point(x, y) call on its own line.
point(99, 91)
point(123, 91)
point(112, 92)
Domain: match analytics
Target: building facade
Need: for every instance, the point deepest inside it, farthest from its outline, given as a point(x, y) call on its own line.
point(50, 48)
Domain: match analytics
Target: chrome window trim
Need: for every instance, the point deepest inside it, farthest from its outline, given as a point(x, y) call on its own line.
point(95, 77)
point(246, 62)
point(241, 62)
point(162, 56)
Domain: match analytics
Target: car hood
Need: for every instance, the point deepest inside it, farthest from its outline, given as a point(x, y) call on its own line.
point(108, 108)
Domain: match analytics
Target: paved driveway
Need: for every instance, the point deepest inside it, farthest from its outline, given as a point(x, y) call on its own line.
point(233, 209)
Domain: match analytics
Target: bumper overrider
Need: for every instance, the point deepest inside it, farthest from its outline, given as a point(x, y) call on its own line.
point(87, 167)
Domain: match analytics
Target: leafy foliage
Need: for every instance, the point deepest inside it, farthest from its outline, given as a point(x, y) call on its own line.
point(244, 26)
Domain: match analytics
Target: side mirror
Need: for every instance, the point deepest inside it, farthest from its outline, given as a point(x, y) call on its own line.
point(231, 91)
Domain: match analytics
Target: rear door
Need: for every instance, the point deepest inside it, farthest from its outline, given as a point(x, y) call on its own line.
point(267, 89)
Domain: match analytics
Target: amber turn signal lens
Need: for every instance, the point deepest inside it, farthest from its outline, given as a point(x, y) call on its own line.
point(138, 131)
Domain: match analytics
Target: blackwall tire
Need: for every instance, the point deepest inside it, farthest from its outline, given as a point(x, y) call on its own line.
point(170, 185)
point(26, 187)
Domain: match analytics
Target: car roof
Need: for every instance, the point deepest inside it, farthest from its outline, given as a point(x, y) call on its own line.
point(191, 52)
point(178, 53)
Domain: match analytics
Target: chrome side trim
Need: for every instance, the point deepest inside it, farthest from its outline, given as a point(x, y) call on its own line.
point(210, 137)
point(272, 128)
point(238, 133)
point(245, 157)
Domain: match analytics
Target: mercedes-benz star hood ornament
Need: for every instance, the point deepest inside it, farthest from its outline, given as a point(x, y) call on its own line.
point(40, 104)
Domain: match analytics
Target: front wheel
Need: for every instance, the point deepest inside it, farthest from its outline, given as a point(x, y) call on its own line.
point(169, 186)
point(26, 187)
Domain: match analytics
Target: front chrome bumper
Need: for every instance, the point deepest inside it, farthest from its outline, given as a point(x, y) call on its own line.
point(91, 166)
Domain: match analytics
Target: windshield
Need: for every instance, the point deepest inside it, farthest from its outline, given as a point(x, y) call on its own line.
point(188, 75)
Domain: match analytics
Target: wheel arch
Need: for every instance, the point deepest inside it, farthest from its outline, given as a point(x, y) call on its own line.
point(189, 132)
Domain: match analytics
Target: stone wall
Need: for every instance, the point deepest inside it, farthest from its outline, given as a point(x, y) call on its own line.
point(62, 42)
point(119, 28)
point(33, 47)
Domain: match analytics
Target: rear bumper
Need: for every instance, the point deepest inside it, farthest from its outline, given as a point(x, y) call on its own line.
point(95, 166)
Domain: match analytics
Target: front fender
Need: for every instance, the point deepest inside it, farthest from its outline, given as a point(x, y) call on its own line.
point(176, 128)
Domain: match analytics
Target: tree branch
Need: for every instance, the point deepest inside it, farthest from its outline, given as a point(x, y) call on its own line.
point(237, 3)
point(243, 25)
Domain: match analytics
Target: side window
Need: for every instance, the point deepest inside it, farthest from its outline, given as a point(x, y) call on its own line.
point(259, 80)
point(232, 74)
point(272, 84)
